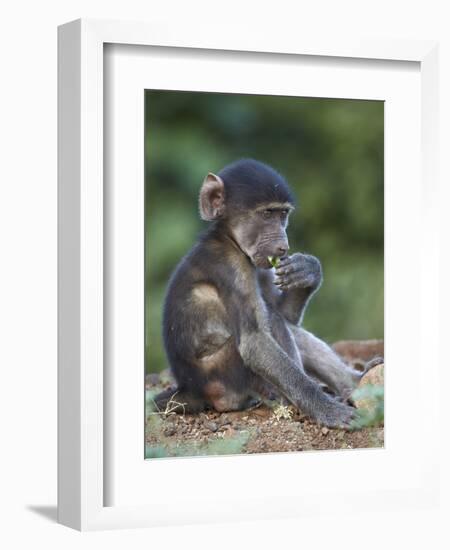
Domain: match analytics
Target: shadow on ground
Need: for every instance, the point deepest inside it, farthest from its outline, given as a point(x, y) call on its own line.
point(48, 512)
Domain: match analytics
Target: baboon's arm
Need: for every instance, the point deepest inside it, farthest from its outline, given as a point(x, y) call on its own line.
point(264, 356)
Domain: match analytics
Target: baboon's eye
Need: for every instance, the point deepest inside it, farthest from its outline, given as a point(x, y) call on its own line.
point(267, 214)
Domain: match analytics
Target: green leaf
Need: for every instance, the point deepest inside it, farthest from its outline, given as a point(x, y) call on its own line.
point(274, 261)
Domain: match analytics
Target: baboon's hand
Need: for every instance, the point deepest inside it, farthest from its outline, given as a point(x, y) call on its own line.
point(334, 414)
point(298, 271)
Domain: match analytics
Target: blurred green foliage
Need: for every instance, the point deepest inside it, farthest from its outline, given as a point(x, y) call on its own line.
point(331, 152)
point(372, 412)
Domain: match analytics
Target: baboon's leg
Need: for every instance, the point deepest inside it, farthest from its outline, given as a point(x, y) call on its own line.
point(222, 398)
point(321, 362)
point(224, 381)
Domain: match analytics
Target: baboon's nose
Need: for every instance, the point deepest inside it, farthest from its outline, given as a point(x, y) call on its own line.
point(282, 249)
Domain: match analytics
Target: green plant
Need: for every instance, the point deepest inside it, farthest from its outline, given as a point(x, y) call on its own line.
point(371, 411)
point(219, 446)
point(274, 261)
point(282, 411)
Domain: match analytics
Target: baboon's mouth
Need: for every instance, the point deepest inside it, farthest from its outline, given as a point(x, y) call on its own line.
point(274, 261)
point(260, 261)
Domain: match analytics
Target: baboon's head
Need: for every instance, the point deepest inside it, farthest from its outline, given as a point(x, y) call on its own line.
point(253, 203)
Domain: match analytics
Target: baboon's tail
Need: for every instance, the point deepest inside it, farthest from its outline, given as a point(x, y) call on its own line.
point(368, 366)
point(178, 401)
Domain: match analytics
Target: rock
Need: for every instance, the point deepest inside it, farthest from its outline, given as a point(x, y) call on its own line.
point(211, 426)
point(325, 431)
point(170, 430)
point(152, 379)
point(364, 350)
point(262, 412)
point(224, 420)
point(166, 377)
point(375, 376)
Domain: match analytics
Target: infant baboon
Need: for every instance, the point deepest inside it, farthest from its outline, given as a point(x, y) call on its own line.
point(231, 323)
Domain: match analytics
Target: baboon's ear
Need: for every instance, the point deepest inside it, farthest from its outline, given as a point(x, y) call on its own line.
point(212, 198)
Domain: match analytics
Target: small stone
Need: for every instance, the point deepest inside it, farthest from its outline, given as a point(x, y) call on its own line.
point(152, 379)
point(263, 412)
point(224, 420)
point(211, 426)
point(170, 430)
point(325, 431)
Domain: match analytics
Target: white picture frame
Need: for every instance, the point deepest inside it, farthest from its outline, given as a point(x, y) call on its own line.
point(82, 483)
